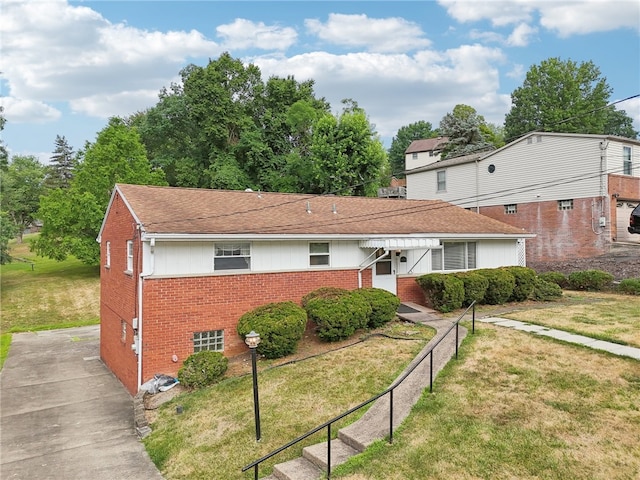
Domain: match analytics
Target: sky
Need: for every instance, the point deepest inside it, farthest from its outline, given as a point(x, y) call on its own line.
point(66, 67)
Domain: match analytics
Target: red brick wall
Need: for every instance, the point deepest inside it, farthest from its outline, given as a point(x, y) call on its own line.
point(174, 308)
point(118, 295)
point(561, 234)
point(410, 291)
point(625, 188)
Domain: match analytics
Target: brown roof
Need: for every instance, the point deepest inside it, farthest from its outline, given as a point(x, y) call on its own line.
point(172, 210)
point(427, 145)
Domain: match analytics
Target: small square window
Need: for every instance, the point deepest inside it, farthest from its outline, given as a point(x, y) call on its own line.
point(565, 204)
point(319, 254)
point(414, 156)
point(511, 209)
point(211, 340)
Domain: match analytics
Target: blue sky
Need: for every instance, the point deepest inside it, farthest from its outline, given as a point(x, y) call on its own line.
point(66, 67)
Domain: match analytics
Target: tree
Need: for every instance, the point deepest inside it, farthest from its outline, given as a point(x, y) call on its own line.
point(619, 123)
point(399, 144)
point(62, 165)
point(348, 157)
point(8, 231)
point(72, 217)
point(562, 96)
point(4, 156)
point(465, 128)
point(21, 184)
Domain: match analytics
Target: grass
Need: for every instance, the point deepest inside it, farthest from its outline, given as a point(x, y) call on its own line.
point(517, 406)
point(215, 435)
point(605, 316)
point(43, 294)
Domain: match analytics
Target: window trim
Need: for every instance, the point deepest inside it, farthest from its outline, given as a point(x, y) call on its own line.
point(441, 182)
point(202, 341)
point(627, 162)
point(129, 256)
point(470, 257)
point(326, 254)
point(244, 253)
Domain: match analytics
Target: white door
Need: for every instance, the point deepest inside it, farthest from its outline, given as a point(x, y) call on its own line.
point(623, 211)
point(384, 274)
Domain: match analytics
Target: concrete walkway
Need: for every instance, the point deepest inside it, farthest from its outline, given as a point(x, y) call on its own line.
point(374, 424)
point(64, 415)
point(616, 349)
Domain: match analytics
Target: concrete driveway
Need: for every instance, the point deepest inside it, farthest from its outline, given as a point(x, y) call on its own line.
point(64, 415)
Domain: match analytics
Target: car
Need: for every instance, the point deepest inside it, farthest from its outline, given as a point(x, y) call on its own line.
point(634, 220)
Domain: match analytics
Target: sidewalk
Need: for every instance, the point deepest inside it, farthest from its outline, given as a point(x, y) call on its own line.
point(614, 348)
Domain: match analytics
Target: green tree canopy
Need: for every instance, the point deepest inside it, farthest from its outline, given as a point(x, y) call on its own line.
point(21, 185)
point(564, 96)
point(72, 217)
point(468, 132)
point(399, 144)
point(62, 165)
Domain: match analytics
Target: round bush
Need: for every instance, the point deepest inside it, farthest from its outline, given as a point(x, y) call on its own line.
point(323, 292)
point(339, 318)
point(444, 292)
point(591, 280)
point(202, 369)
point(383, 305)
point(525, 281)
point(280, 325)
point(630, 286)
point(501, 285)
point(544, 291)
point(475, 286)
point(558, 278)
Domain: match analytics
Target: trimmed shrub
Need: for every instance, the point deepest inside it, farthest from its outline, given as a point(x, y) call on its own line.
point(525, 281)
point(501, 285)
point(630, 286)
point(591, 280)
point(544, 291)
point(558, 278)
point(383, 305)
point(323, 292)
point(202, 369)
point(280, 325)
point(339, 318)
point(475, 286)
point(444, 292)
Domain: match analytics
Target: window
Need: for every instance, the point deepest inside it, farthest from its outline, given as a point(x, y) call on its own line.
point(123, 328)
point(319, 254)
point(442, 180)
point(431, 153)
point(107, 261)
point(565, 204)
point(232, 256)
point(454, 256)
point(511, 209)
point(414, 156)
point(211, 340)
point(626, 161)
point(129, 255)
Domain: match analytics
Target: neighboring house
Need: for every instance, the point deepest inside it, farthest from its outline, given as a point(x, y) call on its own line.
point(423, 152)
point(397, 189)
point(180, 266)
point(574, 191)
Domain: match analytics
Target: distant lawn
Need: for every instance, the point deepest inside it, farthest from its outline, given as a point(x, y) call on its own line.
point(47, 295)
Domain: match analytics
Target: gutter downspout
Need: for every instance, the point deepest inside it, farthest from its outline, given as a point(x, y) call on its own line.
point(142, 276)
point(376, 260)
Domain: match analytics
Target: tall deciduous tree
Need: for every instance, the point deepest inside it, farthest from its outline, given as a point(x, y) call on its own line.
point(4, 156)
point(22, 183)
point(467, 131)
point(562, 96)
point(62, 164)
point(72, 217)
point(399, 144)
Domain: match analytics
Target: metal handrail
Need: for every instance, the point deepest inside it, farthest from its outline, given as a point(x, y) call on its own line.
point(256, 463)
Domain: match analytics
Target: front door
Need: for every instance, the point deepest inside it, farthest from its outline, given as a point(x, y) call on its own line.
point(384, 273)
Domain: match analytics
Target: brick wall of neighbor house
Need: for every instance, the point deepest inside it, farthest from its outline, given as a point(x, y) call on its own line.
point(118, 296)
point(561, 234)
point(408, 290)
point(175, 308)
point(623, 187)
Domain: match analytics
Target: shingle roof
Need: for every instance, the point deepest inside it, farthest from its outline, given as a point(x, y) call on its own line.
point(427, 145)
point(169, 210)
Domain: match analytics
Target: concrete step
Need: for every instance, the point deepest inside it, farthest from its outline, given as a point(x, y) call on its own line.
point(297, 469)
point(340, 453)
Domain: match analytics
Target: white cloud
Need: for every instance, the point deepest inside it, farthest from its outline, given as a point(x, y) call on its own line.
point(19, 111)
point(500, 13)
point(373, 34)
point(521, 35)
point(53, 51)
point(516, 72)
point(244, 34)
point(118, 104)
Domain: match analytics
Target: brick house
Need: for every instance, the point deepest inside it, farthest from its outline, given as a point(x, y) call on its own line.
point(574, 191)
point(180, 266)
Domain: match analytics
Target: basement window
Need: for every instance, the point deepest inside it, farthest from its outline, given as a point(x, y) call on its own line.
point(565, 204)
point(511, 209)
point(211, 340)
point(232, 256)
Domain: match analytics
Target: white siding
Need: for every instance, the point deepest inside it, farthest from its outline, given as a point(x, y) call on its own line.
point(497, 253)
point(176, 258)
point(423, 160)
point(615, 158)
